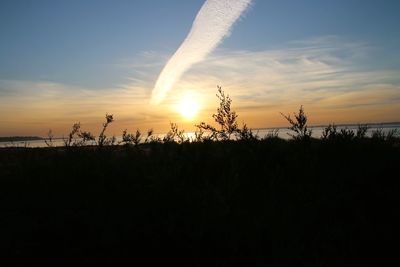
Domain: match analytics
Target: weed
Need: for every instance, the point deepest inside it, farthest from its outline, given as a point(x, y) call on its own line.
point(391, 135)
point(131, 139)
point(175, 134)
point(246, 134)
point(85, 137)
point(50, 136)
point(273, 133)
point(346, 134)
point(103, 140)
point(71, 139)
point(299, 125)
point(329, 132)
point(225, 118)
point(362, 131)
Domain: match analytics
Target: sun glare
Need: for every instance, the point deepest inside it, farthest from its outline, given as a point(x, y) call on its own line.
point(188, 106)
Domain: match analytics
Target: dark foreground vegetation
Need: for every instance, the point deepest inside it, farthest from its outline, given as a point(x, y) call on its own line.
point(245, 203)
point(211, 202)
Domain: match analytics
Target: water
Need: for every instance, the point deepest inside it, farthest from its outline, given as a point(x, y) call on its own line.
point(282, 133)
point(317, 130)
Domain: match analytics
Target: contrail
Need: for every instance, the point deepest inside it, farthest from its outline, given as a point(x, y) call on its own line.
point(211, 25)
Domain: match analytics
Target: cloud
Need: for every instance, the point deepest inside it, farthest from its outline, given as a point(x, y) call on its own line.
point(325, 75)
point(212, 23)
point(307, 71)
point(32, 107)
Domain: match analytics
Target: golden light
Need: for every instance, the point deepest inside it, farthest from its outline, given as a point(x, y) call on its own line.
point(188, 105)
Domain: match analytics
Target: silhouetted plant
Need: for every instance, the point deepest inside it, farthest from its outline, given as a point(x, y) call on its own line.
point(329, 132)
point(126, 138)
point(169, 136)
point(212, 131)
point(346, 134)
point(225, 117)
point(378, 134)
point(299, 125)
point(50, 137)
point(175, 133)
point(85, 136)
point(198, 135)
point(131, 139)
point(71, 136)
point(137, 137)
point(390, 135)
point(272, 133)
point(149, 136)
point(246, 134)
point(110, 141)
point(362, 131)
point(77, 137)
point(152, 138)
point(103, 140)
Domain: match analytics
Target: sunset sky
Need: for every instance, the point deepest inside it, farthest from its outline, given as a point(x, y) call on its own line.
point(67, 61)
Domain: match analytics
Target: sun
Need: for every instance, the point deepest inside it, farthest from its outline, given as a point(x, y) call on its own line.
point(188, 106)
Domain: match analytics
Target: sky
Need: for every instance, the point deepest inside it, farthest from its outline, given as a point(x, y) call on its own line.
point(67, 61)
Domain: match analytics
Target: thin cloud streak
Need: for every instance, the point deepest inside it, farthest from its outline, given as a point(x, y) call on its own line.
point(322, 76)
point(31, 107)
point(212, 23)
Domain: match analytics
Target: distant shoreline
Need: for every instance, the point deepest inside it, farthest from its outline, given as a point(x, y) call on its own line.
point(20, 138)
point(38, 138)
point(370, 124)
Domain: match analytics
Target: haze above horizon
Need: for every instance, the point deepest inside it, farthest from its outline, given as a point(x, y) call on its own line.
point(68, 61)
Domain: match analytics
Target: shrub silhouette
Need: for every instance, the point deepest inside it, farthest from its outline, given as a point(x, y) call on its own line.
point(50, 137)
point(77, 137)
point(271, 134)
point(298, 125)
point(175, 135)
point(103, 140)
point(346, 134)
point(390, 135)
point(131, 139)
point(225, 118)
point(362, 131)
point(71, 139)
point(85, 136)
point(199, 135)
point(329, 132)
point(246, 134)
point(149, 137)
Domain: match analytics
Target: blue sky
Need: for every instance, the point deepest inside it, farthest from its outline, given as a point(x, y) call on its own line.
point(91, 46)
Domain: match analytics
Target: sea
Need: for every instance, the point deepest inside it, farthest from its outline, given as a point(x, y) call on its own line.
point(261, 133)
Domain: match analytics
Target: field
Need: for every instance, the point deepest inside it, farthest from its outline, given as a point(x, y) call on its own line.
point(266, 202)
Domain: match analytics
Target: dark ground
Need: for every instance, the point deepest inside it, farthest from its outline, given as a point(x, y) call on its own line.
point(259, 203)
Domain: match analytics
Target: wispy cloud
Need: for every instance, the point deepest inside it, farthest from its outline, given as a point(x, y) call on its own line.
point(32, 107)
point(325, 75)
point(212, 23)
point(306, 68)
point(319, 73)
